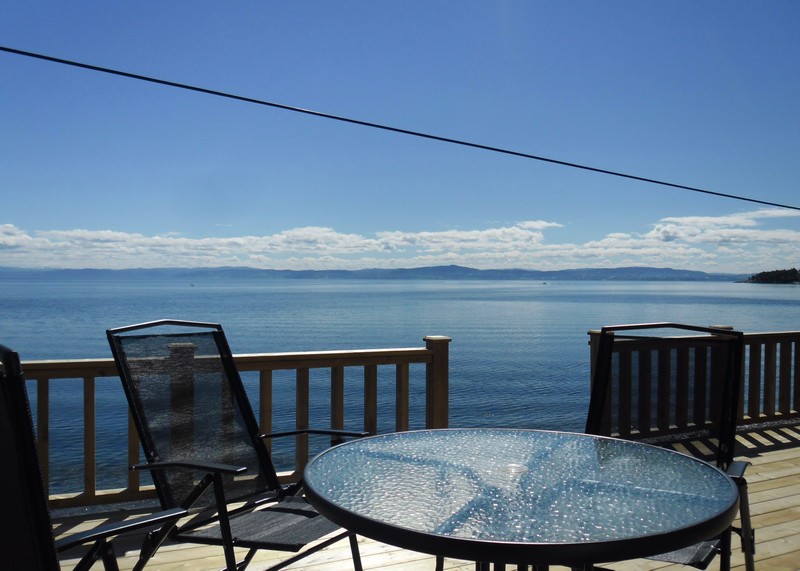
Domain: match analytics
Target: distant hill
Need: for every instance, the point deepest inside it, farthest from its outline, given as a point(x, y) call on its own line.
point(427, 273)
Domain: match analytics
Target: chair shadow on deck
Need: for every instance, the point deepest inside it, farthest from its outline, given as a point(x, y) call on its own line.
point(752, 441)
point(756, 439)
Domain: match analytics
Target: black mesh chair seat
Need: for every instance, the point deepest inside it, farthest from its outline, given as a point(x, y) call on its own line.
point(699, 555)
point(697, 374)
point(203, 446)
point(287, 526)
point(26, 533)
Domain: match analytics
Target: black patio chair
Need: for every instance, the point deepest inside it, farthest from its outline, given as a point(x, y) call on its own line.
point(697, 374)
point(26, 533)
point(204, 448)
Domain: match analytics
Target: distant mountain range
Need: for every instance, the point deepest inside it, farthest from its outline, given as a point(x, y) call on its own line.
point(427, 273)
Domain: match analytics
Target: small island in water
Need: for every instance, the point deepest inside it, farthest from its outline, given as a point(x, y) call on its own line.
point(776, 277)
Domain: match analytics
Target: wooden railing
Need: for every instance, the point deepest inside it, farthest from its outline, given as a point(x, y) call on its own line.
point(770, 389)
point(770, 395)
point(434, 358)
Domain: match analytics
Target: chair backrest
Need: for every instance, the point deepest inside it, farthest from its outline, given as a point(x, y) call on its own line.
point(26, 534)
point(667, 383)
point(189, 404)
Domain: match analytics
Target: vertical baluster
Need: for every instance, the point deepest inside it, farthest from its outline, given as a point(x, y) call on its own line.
point(645, 391)
point(742, 387)
point(785, 385)
point(301, 419)
point(134, 482)
point(682, 388)
point(796, 376)
point(717, 380)
point(265, 404)
point(401, 397)
point(625, 395)
point(664, 390)
point(754, 382)
point(700, 386)
point(770, 366)
point(89, 438)
point(43, 428)
point(337, 398)
point(371, 399)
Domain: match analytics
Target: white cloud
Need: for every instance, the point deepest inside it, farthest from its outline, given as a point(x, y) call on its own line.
point(729, 243)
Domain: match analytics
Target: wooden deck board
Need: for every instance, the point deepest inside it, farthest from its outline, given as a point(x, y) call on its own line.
point(774, 487)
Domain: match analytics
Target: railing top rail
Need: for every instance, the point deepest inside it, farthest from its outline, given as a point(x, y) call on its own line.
point(771, 336)
point(322, 359)
point(332, 354)
point(70, 368)
point(764, 335)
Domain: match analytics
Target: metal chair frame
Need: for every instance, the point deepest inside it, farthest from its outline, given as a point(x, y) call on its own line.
point(275, 497)
point(725, 421)
point(27, 536)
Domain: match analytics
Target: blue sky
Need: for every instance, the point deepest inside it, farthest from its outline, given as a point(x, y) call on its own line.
point(103, 171)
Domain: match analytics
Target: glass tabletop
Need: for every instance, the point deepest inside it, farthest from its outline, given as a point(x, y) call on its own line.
point(458, 492)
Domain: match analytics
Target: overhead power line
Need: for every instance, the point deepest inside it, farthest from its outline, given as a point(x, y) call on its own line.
point(386, 127)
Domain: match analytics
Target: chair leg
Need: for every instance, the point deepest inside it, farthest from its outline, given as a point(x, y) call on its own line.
point(356, 554)
point(100, 549)
point(224, 524)
point(725, 550)
point(152, 542)
point(746, 532)
point(247, 559)
point(109, 557)
point(318, 547)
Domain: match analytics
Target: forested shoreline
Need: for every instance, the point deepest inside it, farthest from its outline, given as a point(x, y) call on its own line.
point(791, 276)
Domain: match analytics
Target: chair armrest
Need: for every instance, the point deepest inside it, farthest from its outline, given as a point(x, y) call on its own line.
point(736, 469)
point(329, 431)
point(207, 466)
point(113, 529)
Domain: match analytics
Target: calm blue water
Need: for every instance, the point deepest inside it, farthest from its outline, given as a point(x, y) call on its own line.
point(519, 355)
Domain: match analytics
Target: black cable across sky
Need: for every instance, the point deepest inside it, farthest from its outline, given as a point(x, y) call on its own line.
point(386, 127)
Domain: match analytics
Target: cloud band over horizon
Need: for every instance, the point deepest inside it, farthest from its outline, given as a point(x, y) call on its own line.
point(738, 243)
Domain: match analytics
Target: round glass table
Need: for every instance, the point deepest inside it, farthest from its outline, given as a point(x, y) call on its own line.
point(520, 496)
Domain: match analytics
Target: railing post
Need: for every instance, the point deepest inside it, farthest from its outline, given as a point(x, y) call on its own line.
point(182, 396)
point(182, 393)
point(437, 375)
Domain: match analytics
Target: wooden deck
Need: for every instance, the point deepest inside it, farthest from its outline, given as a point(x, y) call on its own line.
point(774, 480)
